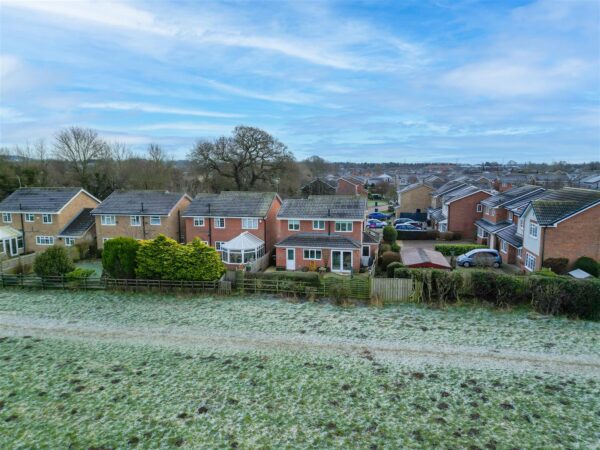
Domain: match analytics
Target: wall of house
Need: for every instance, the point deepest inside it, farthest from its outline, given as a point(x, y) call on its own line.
point(575, 237)
point(233, 228)
point(417, 198)
point(510, 257)
point(306, 227)
point(273, 224)
point(500, 215)
point(280, 259)
point(345, 187)
point(462, 214)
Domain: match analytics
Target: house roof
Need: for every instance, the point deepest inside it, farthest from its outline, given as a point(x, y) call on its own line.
point(371, 237)
point(231, 204)
point(139, 203)
point(502, 198)
point(7, 232)
point(448, 187)
point(491, 227)
point(324, 207)
point(437, 214)
point(244, 241)
point(559, 204)
point(39, 200)
point(79, 225)
point(318, 240)
point(410, 187)
point(509, 234)
point(412, 256)
point(460, 193)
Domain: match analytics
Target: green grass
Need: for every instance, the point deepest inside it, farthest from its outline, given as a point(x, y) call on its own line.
point(95, 265)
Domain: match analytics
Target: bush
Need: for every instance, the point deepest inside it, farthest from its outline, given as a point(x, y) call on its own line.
point(395, 247)
point(436, 286)
point(391, 267)
point(402, 272)
point(119, 258)
point(546, 272)
point(384, 248)
point(406, 235)
point(449, 236)
point(53, 262)
point(457, 249)
point(556, 265)
point(563, 295)
point(389, 257)
point(340, 293)
point(588, 265)
point(497, 288)
point(80, 273)
point(389, 234)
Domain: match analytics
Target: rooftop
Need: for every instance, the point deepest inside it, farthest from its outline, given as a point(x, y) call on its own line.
point(324, 207)
point(139, 203)
point(501, 198)
point(79, 225)
point(560, 204)
point(319, 240)
point(231, 204)
point(38, 199)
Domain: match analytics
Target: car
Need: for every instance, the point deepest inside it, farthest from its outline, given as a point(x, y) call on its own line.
point(378, 215)
point(402, 220)
point(414, 223)
point(406, 227)
point(374, 223)
point(480, 257)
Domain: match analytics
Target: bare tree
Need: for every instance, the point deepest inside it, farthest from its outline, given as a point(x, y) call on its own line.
point(156, 154)
point(80, 147)
point(250, 156)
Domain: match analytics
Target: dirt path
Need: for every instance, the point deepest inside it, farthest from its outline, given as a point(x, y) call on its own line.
point(410, 353)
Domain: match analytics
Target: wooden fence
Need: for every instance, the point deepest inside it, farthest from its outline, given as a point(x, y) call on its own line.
point(392, 290)
point(8, 265)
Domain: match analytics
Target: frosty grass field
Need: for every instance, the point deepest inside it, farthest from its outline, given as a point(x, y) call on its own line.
point(109, 370)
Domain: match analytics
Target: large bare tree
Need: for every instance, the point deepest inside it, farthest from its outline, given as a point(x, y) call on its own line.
point(249, 157)
point(80, 147)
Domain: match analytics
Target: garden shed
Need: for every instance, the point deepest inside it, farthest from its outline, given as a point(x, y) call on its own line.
point(423, 258)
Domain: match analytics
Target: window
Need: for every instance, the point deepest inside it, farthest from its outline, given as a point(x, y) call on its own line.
point(510, 216)
point(486, 210)
point(533, 230)
point(318, 224)
point(44, 240)
point(504, 247)
point(69, 241)
point(443, 227)
point(108, 220)
point(344, 227)
point(154, 220)
point(479, 207)
point(493, 211)
point(366, 251)
point(219, 222)
point(198, 221)
point(521, 224)
point(481, 233)
point(47, 218)
point(7, 217)
point(530, 262)
point(293, 225)
point(219, 245)
point(249, 223)
point(520, 253)
point(312, 254)
point(135, 221)
point(29, 217)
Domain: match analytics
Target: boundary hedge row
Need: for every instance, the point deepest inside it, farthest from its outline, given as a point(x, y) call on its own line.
point(457, 249)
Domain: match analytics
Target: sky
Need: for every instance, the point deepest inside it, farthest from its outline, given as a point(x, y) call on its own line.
point(403, 81)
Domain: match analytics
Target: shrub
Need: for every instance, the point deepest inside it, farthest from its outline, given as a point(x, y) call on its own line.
point(384, 248)
point(200, 262)
point(546, 272)
point(395, 247)
point(402, 272)
point(588, 265)
point(456, 249)
point(556, 265)
point(119, 258)
point(340, 293)
point(449, 236)
point(389, 257)
point(563, 295)
point(389, 234)
point(436, 286)
point(53, 262)
point(80, 273)
point(391, 267)
point(497, 288)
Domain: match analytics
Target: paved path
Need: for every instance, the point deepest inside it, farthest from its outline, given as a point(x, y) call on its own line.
point(409, 353)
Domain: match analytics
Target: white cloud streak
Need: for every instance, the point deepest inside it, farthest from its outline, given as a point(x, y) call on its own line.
point(158, 109)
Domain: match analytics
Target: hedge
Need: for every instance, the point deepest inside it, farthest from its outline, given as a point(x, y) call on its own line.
point(557, 265)
point(412, 235)
point(53, 262)
point(563, 295)
point(389, 234)
point(119, 258)
point(457, 249)
point(387, 258)
point(588, 265)
point(391, 267)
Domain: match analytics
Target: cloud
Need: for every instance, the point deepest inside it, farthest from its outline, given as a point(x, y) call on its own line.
point(279, 97)
point(144, 107)
point(10, 115)
point(188, 127)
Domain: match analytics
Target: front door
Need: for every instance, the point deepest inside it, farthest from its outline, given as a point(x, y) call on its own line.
point(341, 261)
point(290, 259)
point(14, 249)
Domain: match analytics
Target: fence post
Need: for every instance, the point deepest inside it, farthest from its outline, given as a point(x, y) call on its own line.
point(62, 279)
point(2, 276)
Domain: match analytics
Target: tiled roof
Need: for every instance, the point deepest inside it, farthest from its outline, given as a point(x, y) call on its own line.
point(319, 240)
point(323, 207)
point(139, 203)
point(502, 198)
point(371, 238)
point(518, 205)
point(448, 187)
point(231, 204)
point(79, 225)
point(38, 200)
point(509, 234)
point(437, 215)
point(410, 187)
point(412, 256)
point(459, 193)
point(491, 227)
point(559, 204)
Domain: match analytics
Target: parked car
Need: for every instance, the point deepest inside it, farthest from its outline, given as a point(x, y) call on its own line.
point(480, 257)
point(406, 227)
point(374, 223)
point(404, 221)
point(378, 215)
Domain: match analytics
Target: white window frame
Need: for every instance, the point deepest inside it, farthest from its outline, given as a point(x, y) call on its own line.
point(47, 219)
point(521, 224)
point(316, 225)
point(293, 225)
point(108, 220)
point(510, 216)
point(368, 248)
point(198, 221)
point(533, 227)
point(219, 245)
point(520, 253)
point(154, 219)
point(7, 217)
point(135, 221)
point(219, 222)
point(479, 207)
point(69, 242)
point(503, 246)
point(44, 240)
point(312, 254)
point(529, 258)
point(339, 229)
point(482, 233)
point(249, 223)
point(493, 211)
point(29, 217)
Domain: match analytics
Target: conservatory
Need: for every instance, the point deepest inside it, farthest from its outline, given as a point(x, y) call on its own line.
point(243, 249)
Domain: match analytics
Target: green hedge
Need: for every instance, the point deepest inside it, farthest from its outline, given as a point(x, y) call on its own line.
point(119, 258)
point(563, 295)
point(53, 262)
point(457, 249)
point(588, 265)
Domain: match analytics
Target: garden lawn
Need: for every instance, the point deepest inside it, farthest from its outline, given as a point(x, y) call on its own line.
point(102, 370)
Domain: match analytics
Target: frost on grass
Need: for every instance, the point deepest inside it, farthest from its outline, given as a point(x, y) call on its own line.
point(63, 394)
point(474, 327)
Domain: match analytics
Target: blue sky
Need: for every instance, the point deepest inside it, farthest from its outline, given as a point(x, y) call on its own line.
point(374, 81)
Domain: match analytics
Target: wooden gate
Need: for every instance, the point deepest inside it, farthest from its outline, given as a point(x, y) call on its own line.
point(392, 290)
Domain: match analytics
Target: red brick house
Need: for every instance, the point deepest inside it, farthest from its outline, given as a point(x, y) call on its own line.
point(324, 231)
point(351, 186)
point(459, 212)
point(242, 226)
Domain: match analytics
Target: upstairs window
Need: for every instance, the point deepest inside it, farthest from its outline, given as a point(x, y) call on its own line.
point(293, 225)
point(108, 220)
point(249, 223)
point(47, 218)
point(510, 216)
point(318, 224)
point(533, 230)
point(69, 241)
point(219, 222)
point(504, 247)
point(135, 221)
point(198, 221)
point(154, 220)
point(343, 227)
point(479, 207)
point(29, 217)
point(7, 217)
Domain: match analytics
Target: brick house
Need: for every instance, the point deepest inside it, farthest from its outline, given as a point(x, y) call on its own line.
point(460, 210)
point(140, 215)
point(563, 223)
point(414, 198)
point(35, 218)
point(242, 226)
point(351, 186)
point(324, 231)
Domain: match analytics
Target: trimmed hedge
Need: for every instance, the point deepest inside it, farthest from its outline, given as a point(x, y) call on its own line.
point(119, 258)
point(53, 262)
point(457, 249)
point(391, 267)
point(389, 257)
point(498, 288)
point(413, 235)
point(557, 265)
point(389, 234)
point(563, 295)
point(588, 265)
